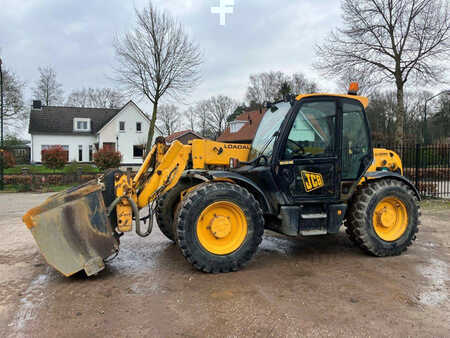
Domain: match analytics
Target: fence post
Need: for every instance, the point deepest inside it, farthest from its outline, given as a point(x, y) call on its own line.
point(417, 165)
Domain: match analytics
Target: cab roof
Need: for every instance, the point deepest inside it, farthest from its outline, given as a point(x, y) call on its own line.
point(364, 100)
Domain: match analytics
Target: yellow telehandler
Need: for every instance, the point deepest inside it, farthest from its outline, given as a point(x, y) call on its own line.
point(310, 169)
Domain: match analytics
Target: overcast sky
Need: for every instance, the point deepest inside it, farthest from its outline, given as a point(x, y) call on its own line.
point(75, 37)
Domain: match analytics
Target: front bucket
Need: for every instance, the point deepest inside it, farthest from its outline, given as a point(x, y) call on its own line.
point(73, 230)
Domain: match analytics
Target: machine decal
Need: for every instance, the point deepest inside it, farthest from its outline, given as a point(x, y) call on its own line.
point(312, 181)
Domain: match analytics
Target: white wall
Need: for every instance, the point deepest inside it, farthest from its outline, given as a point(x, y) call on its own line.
point(73, 141)
point(126, 140)
point(110, 133)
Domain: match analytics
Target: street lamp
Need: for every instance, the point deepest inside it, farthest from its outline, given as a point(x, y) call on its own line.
point(425, 131)
point(1, 126)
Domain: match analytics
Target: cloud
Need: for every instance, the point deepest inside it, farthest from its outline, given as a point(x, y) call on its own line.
point(75, 37)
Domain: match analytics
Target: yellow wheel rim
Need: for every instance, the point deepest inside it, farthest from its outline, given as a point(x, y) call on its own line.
point(222, 227)
point(390, 219)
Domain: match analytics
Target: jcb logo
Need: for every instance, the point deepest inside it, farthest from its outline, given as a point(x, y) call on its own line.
point(311, 181)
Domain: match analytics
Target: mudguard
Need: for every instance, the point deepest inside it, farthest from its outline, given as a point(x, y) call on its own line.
point(375, 175)
point(209, 175)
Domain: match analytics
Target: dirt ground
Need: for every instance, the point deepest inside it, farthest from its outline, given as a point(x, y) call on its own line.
point(320, 286)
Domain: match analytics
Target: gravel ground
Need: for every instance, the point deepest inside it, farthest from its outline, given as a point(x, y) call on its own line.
point(322, 286)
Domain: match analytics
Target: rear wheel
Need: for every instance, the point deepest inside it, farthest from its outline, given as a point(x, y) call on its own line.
point(166, 209)
point(219, 227)
point(383, 217)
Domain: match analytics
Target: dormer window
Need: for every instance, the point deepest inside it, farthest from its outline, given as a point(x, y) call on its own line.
point(81, 124)
point(236, 125)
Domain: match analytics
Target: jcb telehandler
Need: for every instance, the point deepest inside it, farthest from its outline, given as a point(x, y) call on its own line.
point(310, 169)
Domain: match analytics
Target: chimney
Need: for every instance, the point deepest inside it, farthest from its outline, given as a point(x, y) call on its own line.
point(37, 104)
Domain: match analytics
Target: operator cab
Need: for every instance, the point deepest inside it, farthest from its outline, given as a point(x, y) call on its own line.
point(317, 149)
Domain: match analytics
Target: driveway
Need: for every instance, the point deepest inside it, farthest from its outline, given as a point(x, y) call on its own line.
point(322, 286)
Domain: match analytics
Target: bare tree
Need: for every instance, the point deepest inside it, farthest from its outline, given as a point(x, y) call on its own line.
point(14, 112)
point(47, 88)
point(95, 98)
point(367, 83)
point(168, 118)
point(301, 85)
point(264, 87)
point(440, 126)
point(156, 58)
point(220, 107)
point(389, 40)
point(270, 86)
point(78, 98)
point(201, 115)
point(190, 116)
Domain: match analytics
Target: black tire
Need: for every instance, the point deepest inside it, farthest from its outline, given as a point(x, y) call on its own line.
point(359, 220)
point(192, 206)
point(166, 207)
point(349, 222)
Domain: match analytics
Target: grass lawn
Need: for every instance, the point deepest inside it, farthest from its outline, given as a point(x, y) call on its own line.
point(50, 188)
point(435, 204)
point(40, 169)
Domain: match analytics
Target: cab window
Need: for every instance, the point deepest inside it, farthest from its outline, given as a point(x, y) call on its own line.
point(355, 140)
point(313, 131)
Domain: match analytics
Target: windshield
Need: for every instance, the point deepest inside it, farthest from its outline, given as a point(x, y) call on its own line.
point(271, 122)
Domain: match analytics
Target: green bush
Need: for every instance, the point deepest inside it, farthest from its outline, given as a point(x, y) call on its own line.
point(106, 159)
point(23, 187)
point(71, 168)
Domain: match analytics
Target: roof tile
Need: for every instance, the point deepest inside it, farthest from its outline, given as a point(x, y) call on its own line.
point(59, 120)
point(247, 132)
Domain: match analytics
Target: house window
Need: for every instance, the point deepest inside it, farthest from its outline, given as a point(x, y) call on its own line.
point(138, 127)
point(45, 147)
point(90, 152)
point(122, 125)
point(81, 124)
point(80, 153)
point(138, 151)
point(237, 125)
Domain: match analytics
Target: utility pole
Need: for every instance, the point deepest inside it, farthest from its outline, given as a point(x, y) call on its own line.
point(1, 127)
point(425, 125)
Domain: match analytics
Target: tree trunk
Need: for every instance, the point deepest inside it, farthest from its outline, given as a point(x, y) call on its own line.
point(151, 130)
point(400, 116)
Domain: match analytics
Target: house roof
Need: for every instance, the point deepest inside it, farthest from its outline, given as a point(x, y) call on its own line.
point(247, 131)
point(178, 134)
point(59, 120)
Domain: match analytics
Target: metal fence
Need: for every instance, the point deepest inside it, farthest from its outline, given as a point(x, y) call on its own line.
point(428, 166)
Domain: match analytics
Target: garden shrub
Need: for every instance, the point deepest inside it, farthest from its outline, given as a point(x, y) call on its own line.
point(106, 159)
point(8, 160)
point(54, 158)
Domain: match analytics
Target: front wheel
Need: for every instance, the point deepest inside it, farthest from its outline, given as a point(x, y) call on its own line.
point(219, 228)
point(383, 217)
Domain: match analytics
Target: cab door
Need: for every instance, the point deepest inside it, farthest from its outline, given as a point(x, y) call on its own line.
point(307, 165)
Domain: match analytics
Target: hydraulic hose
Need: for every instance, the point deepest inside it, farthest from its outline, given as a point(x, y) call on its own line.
point(135, 214)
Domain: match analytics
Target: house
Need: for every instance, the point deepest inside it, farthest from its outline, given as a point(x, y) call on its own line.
point(20, 149)
point(183, 136)
point(82, 131)
point(243, 128)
